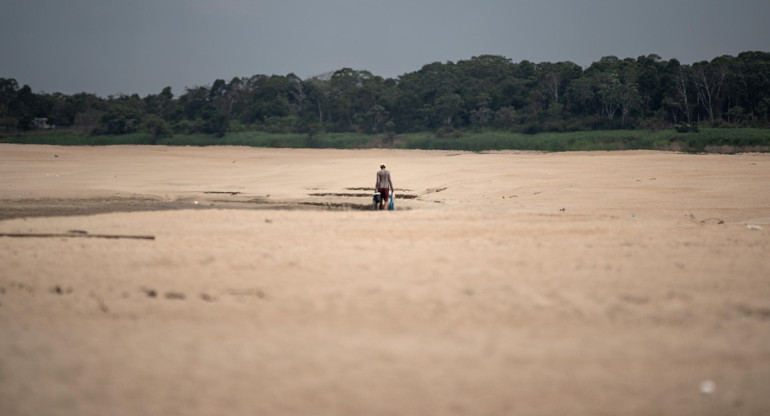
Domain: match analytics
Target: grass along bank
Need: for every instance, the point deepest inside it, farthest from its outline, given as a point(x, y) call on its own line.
point(707, 140)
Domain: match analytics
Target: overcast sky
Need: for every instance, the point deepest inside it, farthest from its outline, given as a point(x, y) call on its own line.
point(141, 46)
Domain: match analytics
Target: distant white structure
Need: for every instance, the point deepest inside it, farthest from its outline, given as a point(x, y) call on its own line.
point(41, 123)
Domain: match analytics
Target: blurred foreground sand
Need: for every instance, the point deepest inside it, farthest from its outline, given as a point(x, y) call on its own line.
point(631, 283)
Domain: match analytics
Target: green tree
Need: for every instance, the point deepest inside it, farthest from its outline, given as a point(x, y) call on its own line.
point(8, 91)
point(750, 81)
point(214, 121)
point(481, 116)
point(297, 93)
point(157, 127)
point(353, 94)
point(608, 93)
point(377, 116)
point(505, 117)
point(319, 91)
point(121, 118)
point(193, 102)
point(446, 108)
point(554, 78)
point(24, 107)
point(651, 83)
point(682, 83)
point(582, 93)
point(163, 105)
point(708, 78)
point(390, 128)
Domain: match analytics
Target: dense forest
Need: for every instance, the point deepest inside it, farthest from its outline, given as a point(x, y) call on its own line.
point(484, 92)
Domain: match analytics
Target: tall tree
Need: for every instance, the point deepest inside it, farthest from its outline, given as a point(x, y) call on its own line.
point(608, 93)
point(296, 89)
point(682, 82)
point(708, 78)
point(554, 77)
point(446, 108)
point(582, 92)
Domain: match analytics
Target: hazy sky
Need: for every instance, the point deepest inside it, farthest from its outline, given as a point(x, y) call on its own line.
point(140, 46)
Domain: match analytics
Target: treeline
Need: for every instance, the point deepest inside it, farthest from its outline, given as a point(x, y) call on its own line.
point(480, 93)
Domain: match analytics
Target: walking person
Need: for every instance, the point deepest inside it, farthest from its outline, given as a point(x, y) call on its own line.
point(383, 185)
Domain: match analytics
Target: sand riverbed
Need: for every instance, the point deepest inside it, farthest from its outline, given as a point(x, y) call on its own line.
point(601, 283)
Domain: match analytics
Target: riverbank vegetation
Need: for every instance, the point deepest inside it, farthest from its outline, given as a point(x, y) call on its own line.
point(709, 140)
point(486, 102)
